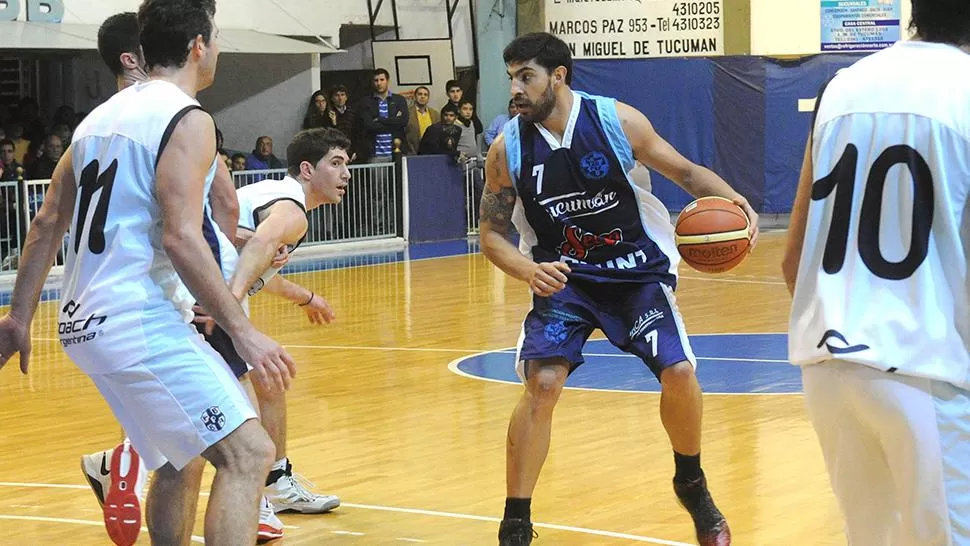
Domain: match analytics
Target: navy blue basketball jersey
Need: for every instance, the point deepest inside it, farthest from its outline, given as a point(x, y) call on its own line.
point(577, 203)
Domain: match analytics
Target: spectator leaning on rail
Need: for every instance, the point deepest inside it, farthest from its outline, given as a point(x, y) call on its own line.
point(262, 157)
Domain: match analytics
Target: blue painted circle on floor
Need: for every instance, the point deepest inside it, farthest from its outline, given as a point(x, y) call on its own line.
point(726, 364)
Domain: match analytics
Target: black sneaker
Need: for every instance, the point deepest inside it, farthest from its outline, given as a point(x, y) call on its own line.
point(711, 527)
point(516, 532)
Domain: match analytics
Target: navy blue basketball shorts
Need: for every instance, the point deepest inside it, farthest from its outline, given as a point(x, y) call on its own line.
point(222, 343)
point(638, 318)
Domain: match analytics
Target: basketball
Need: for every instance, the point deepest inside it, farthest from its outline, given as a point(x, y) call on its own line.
point(712, 234)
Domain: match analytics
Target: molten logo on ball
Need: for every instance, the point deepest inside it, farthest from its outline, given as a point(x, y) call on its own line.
point(708, 253)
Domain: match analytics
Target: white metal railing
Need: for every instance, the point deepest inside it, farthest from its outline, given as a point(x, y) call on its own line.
point(371, 209)
point(474, 185)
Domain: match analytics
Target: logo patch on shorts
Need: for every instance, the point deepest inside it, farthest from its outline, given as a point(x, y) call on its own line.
point(214, 419)
point(556, 332)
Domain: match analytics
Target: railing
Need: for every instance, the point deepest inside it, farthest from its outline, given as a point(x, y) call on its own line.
point(371, 209)
point(474, 186)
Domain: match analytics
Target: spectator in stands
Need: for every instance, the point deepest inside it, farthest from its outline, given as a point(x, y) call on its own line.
point(455, 95)
point(35, 150)
point(498, 123)
point(262, 157)
point(318, 113)
point(346, 120)
point(34, 128)
point(468, 143)
point(64, 115)
point(384, 116)
point(442, 137)
point(238, 163)
point(51, 153)
point(64, 131)
point(420, 117)
point(15, 132)
point(8, 161)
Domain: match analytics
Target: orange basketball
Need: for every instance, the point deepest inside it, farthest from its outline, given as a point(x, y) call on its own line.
point(712, 234)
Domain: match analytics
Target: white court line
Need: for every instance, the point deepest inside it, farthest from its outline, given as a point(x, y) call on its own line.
point(414, 349)
point(416, 511)
point(75, 522)
point(737, 281)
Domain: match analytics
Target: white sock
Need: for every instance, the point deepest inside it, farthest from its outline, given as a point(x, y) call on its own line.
point(280, 464)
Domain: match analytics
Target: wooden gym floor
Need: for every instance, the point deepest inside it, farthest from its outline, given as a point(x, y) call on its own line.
point(416, 452)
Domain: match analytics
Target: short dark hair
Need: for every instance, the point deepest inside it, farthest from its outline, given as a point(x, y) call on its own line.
point(312, 145)
point(167, 27)
point(6, 141)
point(378, 71)
point(944, 21)
point(450, 109)
point(545, 49)
point(119, 34)
point(420, 87)
point(337, 88)
point(463, 102)
point(452, 84)
point(238, 155)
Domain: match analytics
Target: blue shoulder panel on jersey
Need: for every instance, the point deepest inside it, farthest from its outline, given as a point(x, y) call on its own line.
point(512, 148)
point(610, 121)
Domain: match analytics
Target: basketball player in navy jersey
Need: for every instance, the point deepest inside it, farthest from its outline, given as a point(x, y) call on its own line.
point(877, 263)
point(602, 256)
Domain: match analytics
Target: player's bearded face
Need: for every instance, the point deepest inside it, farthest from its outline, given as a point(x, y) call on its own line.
point(533, 95)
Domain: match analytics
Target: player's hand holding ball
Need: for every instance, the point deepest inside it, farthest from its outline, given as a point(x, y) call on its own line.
point(548, 278)
point(714, 234)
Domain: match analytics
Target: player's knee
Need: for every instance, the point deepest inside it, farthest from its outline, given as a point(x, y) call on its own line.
point(247, 450)
point(545, 384)
point(678, 376)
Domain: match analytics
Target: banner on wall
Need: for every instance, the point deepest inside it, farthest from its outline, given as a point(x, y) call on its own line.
point(860, 25)
point(629, 29)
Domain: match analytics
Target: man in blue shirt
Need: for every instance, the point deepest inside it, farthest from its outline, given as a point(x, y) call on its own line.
point(384, 116)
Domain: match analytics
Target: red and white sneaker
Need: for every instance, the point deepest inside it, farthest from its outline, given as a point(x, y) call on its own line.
point(122, 508)
point(270, 526)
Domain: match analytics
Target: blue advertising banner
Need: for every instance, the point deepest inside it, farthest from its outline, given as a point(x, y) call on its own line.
point(860, 25)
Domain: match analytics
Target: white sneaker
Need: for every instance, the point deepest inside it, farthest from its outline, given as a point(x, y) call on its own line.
point(289, 494)
point(270, 526)
point(97, 472)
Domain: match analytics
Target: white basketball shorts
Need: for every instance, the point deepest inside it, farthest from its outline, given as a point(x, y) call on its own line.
point(897, 449)
point(174, 402)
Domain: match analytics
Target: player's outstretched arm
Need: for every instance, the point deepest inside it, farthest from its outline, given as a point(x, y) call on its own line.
point(495, 222)
point(225, 204)
point(656, 153)
point(182, 168)
point(44, 239)
point(314, 305)
point(284, 224)
point(799, 219)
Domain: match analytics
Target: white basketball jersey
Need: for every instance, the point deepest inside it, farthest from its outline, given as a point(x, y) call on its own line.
point(118, 277)
point(883, 275)
point(254, 199)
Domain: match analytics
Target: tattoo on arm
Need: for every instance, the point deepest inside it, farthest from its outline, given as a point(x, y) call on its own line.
point(497, 207)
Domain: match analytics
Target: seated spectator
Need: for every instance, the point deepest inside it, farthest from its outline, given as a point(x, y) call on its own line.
point(43, 168)
point(442, 137)
point(15, 132)
point(8, 161)
point(238, 163)
point(420, 117)
point(498, 123)
point(262, 157)
point(64, 131)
